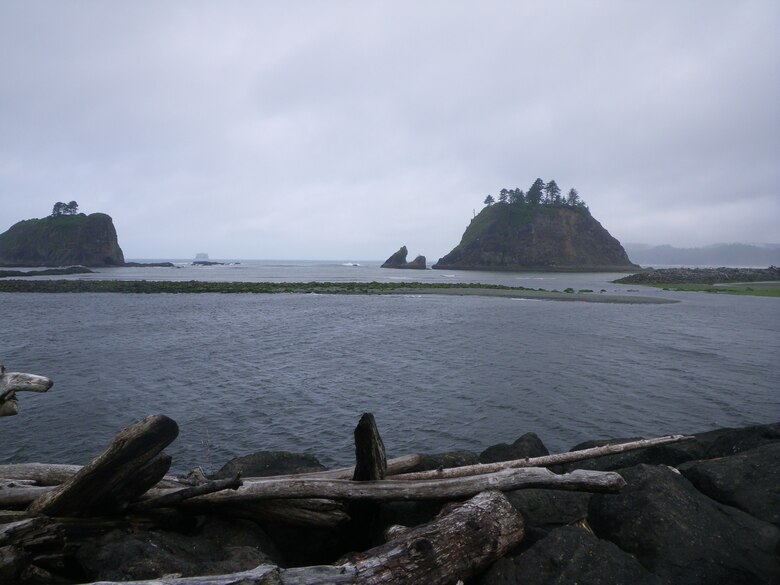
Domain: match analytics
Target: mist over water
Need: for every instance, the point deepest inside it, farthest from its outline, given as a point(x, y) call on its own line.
point(246, 372)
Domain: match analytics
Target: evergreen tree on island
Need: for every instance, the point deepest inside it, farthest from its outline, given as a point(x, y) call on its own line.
point(540, 193)
point(60, 208)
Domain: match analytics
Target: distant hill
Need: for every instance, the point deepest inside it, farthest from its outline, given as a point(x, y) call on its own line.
point(62, 240)
point(726, 255)
point(526, 236)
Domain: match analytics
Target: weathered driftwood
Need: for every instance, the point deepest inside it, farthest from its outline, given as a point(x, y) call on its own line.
point(176, 497)
point(56, 473)
point(370, 465)
point(17, 495)
point(544, 461)
point(143, 479)
point(370, 459)
point(388, 489)
point(30, 546)
point(40, 473)
point(303, 512)
point(13, 382)
point(115, 473)
point(464, 539)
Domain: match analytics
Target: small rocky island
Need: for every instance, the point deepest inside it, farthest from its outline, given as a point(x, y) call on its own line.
point(537, 230)
point(65, 238)
point(398, 260)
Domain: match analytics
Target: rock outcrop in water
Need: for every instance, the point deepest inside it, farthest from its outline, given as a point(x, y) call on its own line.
point(702, 275)
point(65, 240)
point(507, 236)
point(398, 260)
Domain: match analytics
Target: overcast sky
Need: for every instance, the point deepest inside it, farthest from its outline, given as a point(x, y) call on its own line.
point(344, 129)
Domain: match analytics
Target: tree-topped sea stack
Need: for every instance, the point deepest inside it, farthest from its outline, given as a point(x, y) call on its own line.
point(65, 238)
point(538, 230)
point(398, 260)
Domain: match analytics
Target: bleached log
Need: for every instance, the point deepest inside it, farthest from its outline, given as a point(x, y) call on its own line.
point(40, 473)
point(95, 488)
point(13, 382)
point(544, 461)
point(388, 489)
point(16, 496)
point(463, 540)
point(45, 474)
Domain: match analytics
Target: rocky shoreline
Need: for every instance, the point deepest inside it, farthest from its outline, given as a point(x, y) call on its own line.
point(705, 510)
point(702, 275)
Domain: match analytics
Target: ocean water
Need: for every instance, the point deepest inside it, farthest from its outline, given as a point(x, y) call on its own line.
point(246, 372)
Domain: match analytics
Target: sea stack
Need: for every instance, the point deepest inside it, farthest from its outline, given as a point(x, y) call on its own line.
point(524, 236)
point(398, 260)
point(62, 240)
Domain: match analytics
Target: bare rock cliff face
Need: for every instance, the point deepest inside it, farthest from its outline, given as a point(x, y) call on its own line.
point(87, 240)
point(509, 237)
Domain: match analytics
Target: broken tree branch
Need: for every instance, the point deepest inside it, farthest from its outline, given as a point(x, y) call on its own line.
point(544, 461)
point(117, 471)
point(13, 382)
point(173, 498)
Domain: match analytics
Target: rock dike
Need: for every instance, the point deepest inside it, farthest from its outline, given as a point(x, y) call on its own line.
point(682, 509)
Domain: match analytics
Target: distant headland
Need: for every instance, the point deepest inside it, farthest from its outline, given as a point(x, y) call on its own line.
point(536, 230)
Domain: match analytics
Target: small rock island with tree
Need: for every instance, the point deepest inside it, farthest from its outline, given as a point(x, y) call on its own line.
point(64, 238)
point(536, 230)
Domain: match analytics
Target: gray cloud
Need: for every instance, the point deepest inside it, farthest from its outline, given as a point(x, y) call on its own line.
point(345, 129)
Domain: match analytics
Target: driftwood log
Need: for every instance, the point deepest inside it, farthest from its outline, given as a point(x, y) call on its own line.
point(464, 539)
point(544, 461)
point(13, 382)
point(119, 475)
point(44, 474)
point(388, 489)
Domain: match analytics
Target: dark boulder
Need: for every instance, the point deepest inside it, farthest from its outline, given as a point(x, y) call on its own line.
point(570, 555)
point(706, 445)
point(220, 546)
point(682, 535)
point(529, 445)
point(545, 510)
point(445, 460)
point(266, 463)
point(749, 480)
point(398, 260)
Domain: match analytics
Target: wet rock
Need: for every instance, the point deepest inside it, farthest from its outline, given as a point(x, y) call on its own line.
point(749, 481)
point(266, 463)
point(446, 460)
point(570, 555)
point(683, 536)
point(220, 546)
point(529, 445)
point(545, 510)
point(398, 260)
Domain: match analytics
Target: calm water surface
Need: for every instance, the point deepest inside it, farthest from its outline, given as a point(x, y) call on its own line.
point(294, 372)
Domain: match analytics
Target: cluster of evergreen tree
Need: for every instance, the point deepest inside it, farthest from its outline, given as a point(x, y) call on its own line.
point(539, 193)
point(61, 208)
